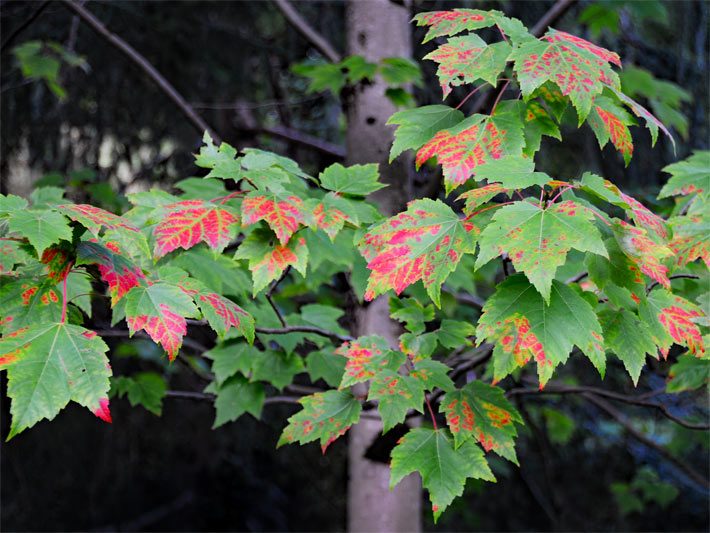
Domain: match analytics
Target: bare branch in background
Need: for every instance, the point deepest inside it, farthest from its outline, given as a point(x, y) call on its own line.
point(11, 38)
point(306, 30)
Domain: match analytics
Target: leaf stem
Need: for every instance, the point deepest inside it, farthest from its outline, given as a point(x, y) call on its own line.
point(562, 190)
point(469, 95)
point(431, 412)
point(500, 95)
point(64, 299)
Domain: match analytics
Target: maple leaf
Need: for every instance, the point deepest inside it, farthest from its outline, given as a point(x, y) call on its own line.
point(268, 259)
point(523, 326)
point(94, 218)
point(689, 373)
point(160, 310)
point(618, 276)
point(27, 301)
point(222, 161)
point(473, 142)
point(538, 123)
point(425, 242)
point(454, 21)
point(50, 364)
point(356, 180)
point(117, 270)
point(690, 176)
point(466, 59)
point(331, 214)
point(479, 196)
point(236, 396)
point(652, 123)
point(432, 375)
point(537, 240)
point(443, 468)
point(415, 127)
point(283, 214)
point(628, 338)
point(58, 262)
point(192, 221)
point(365, 357)
point(144, 388)
point(12, 253)
point(514, 172)
point(691, 237)
point(672, 319)
point(325, 417)
point(481, 412)
point(42, 227)
point(642, 250)
point(579, 68)
point(223, 314)
point(396, 395)
point(610, 123)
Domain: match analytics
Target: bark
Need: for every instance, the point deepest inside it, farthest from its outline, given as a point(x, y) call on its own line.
point(377, 29)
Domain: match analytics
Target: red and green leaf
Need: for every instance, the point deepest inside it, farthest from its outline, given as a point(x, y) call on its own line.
point(94, 218)
point(690, 176)
point(644, 251)
point(481, 412)
point(115, 268)
point(611, 123)
point(283, 214)
point(223, 314)
point(416, 127)
point(454, 21)
point(479, 196)
point(395, 395)
point(28, 301)
point(190, 222)
point(365, 357)
point(325, 416)
point(424, 243)
point(672, 319)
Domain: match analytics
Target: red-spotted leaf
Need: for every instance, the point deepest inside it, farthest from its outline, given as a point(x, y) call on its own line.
point(425, 242)
point(415, 127)
point(443, 468)
point(537, 240)
point(476, 140)
point(331, 214)
point(481, 412)
point(190, 222)
point(690, 176)
point(579, 68)
point(58, 262)
point(223, 314)
point(365, 357)
point(28, 301)
point(464, 60)
point(12, 253)
point(268, 259)
point(672, 319)
point(115, 268)
point(538, 122)
point(454, 21)
point(325, 417)
point(652, 123)
point(611, 123)
point(618, 276)
point(283, 214)
point(160, 310)
point(395, 395)
point(642, 250)
point(523, 327)
point(691, 237)
point(477, 197)
point(50, 364)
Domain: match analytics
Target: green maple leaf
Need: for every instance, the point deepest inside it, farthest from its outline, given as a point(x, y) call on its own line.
point(50, 364)
point(145, 388)
point(325, 416)
point(357, 180)
point(538, 123)
point(467, 59)
point(628, 338)
point(396, 395)
point(618, 276)
point(415, 127)
point(515, 172)
point(443, 468)
point(691, 235)
point(523, 326)
point(276, 368)
point(481, 412)
point(432, 375)
point(537, 240)
point(236, 396)
point(222, 161)
point(326, 365)
point(690, 176)
point(689, 373)
point(425, 243)
point(579, 68)
point(228, 359)
point(42, 227)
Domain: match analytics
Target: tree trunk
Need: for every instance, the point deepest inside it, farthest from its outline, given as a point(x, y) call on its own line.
point(377, 29)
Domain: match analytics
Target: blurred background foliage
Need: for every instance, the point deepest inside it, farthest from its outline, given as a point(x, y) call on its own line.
point(78, 115)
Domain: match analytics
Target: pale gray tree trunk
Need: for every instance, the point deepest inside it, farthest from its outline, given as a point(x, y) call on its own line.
point(377, 29)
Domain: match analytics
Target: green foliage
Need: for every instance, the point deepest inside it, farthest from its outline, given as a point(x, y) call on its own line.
point(43, 61)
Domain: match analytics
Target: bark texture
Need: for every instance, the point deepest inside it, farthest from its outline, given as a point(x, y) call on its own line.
point(377, 29)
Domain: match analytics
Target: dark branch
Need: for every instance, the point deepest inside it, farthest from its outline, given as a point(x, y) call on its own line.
point(291, 134)
point(304, 329)
point(11, 38)
point(202, 396)
point(306, 30)
point(144, 65)
point(676, 276)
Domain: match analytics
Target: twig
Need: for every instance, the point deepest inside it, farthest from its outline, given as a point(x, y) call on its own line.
point(469, 299)
point(675, 276)
point(555, 13)
point(304, 329)
point(270, 292)
point(199, 347)
point(576, 279)
point(631, 430)
point(203, 396)
point(144, 65)
point(291, 134)
point(307, 31)
point(11, 38)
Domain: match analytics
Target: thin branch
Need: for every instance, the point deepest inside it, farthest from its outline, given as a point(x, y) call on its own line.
point(270, 292)
point(675, 276)
point(11, 38)
point(304, 139)
point(144, 65)
point(197, 346)
point(576, 279)
point(469, 299)
point(635, 433)
point(304, 329)
point(555, 13)
point(203, 396)
point(306, 30)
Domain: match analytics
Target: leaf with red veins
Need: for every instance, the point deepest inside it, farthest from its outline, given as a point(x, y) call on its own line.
point(481, 412)
point(481, 195)
point(58, 262)
point(283, 214)
point(691, 238)
point(49, 365)
point(268, 259)
point(522, 326)
point(115, 268)
point(425, 243)
point(325, 417)
point(477, 140)
point(160, 310)
point(365, 357)
point(672, 319)
point(332, 213)
point(95, 218)
point(223, 314)
point(642, 250)
point(190, 222)
point(580, 69)
point(537, 240)
point(454, 21)
point(464, 60)
point(610, 123)
point(652, 123)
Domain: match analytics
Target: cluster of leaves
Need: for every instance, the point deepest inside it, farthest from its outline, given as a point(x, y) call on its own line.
point(40, 60)
point(593, 268)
